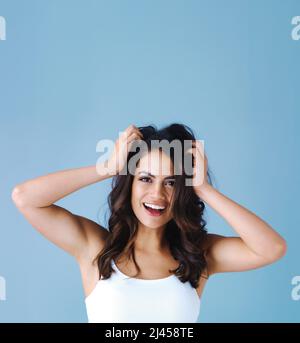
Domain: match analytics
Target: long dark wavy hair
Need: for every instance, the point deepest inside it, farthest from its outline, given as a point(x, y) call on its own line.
point(185, 233)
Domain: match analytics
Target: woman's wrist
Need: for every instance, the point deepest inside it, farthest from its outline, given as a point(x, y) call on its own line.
point(105, 170)
point(203, 190)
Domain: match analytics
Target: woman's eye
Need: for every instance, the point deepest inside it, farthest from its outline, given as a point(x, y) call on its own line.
point(144, 179)
point(170, 183)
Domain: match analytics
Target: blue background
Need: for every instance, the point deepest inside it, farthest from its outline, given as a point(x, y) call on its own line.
point(75, 72)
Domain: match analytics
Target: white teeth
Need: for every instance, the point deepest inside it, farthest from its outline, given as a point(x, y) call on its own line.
point(155, 207)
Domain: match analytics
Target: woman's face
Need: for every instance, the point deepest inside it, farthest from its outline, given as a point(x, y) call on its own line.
point(152, 189)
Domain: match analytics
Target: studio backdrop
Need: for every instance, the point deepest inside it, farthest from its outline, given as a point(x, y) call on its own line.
point(75, 72)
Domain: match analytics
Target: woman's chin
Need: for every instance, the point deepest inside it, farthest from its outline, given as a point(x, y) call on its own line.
point(153, 223)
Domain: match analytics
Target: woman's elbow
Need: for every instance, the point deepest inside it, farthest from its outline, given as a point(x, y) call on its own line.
point(18, 196)
point(280, 250)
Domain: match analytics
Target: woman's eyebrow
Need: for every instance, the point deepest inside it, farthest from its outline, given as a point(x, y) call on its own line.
point(149, 174)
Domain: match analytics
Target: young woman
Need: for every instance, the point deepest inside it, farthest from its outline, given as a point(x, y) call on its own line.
point(153, 262)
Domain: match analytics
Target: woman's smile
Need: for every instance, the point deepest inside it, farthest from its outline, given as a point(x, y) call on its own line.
point(154, 210)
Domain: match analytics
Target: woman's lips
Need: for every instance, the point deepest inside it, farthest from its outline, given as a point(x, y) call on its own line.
point(153, 212)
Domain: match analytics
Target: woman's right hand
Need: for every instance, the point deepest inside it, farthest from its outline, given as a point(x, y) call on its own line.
point(118, 158)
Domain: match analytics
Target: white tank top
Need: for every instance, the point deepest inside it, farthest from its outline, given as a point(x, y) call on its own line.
point(121, 299)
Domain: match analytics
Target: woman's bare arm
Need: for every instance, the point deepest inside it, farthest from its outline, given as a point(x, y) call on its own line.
point(257, 244)
point(77, 235)
point(35, 199)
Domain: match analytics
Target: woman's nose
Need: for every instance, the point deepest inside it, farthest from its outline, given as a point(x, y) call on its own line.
point(157, 189)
